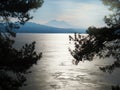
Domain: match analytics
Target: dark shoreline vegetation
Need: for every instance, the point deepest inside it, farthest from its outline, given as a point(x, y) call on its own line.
point(14, 63)
point(101, 42)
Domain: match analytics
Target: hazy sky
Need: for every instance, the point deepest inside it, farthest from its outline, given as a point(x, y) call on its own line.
point(80, 13)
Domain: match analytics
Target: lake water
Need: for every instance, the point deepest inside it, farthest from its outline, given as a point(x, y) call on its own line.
point(55, 71)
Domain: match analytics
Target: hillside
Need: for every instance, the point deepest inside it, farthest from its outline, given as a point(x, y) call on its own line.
point(30, 27)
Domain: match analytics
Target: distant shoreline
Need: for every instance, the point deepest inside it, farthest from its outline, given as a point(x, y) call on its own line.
point(45, 33)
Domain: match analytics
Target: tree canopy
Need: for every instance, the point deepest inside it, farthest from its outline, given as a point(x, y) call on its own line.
point(18, 9)
point(102, 42)
point(13, 13)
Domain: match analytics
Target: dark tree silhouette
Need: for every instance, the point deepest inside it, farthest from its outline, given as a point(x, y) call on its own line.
point(103, 42)
point(15, 63)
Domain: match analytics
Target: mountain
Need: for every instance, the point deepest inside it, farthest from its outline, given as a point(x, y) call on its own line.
point(30, 27)
point(59, 24)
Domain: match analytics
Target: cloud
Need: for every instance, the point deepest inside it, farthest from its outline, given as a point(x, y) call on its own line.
point(83, 13)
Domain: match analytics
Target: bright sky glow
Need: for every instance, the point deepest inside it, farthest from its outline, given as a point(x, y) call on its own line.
point(80, 13)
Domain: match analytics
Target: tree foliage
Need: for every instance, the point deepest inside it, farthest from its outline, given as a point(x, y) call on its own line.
point(102, 42)
point(114, 19)
point(14, 63)
point(18, 9)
